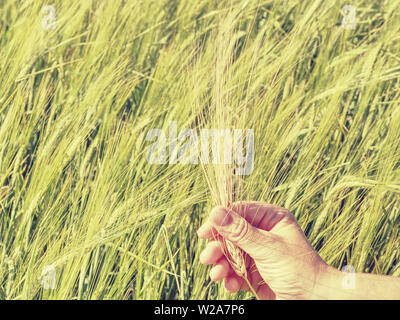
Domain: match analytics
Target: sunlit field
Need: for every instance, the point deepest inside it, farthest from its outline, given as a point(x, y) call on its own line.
point(83, 82)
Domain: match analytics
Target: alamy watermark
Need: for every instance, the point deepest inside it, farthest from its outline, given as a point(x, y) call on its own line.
point(349, 17)
point(49, 277)
point(349, 280)
point(49, 21)
point(234, 147)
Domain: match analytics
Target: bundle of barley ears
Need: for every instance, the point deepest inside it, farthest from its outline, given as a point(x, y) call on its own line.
point(225, 114)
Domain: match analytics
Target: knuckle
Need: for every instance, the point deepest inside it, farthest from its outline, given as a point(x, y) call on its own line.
point(240, 230)
point(286, 213)
point(239, 207)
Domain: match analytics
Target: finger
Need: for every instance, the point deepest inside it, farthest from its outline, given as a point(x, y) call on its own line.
point(235, 228)
point(212, 253)
point(220, 270)
point(259, 214)
point(234, 283)
point(206, 231)
point(240, 280)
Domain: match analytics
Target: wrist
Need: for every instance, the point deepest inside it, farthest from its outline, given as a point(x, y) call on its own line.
point(327, 283)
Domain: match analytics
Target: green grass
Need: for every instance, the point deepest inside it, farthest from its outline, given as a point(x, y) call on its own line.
point(76, 103)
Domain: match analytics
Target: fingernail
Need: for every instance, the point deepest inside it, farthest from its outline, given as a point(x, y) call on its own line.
point(201, 230)
point(220, 216)
point(202, 257)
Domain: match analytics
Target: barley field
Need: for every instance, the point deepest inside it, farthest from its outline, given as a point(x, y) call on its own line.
point(83, 82)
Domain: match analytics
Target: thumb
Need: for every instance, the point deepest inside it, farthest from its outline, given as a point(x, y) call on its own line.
point(231, 226)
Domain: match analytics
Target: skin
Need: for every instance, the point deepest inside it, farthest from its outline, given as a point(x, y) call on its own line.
point(280, 262)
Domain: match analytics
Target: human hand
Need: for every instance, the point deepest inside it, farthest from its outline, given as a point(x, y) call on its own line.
point(280, 262)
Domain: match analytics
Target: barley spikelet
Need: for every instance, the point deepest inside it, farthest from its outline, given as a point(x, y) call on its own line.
point(236, 259)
